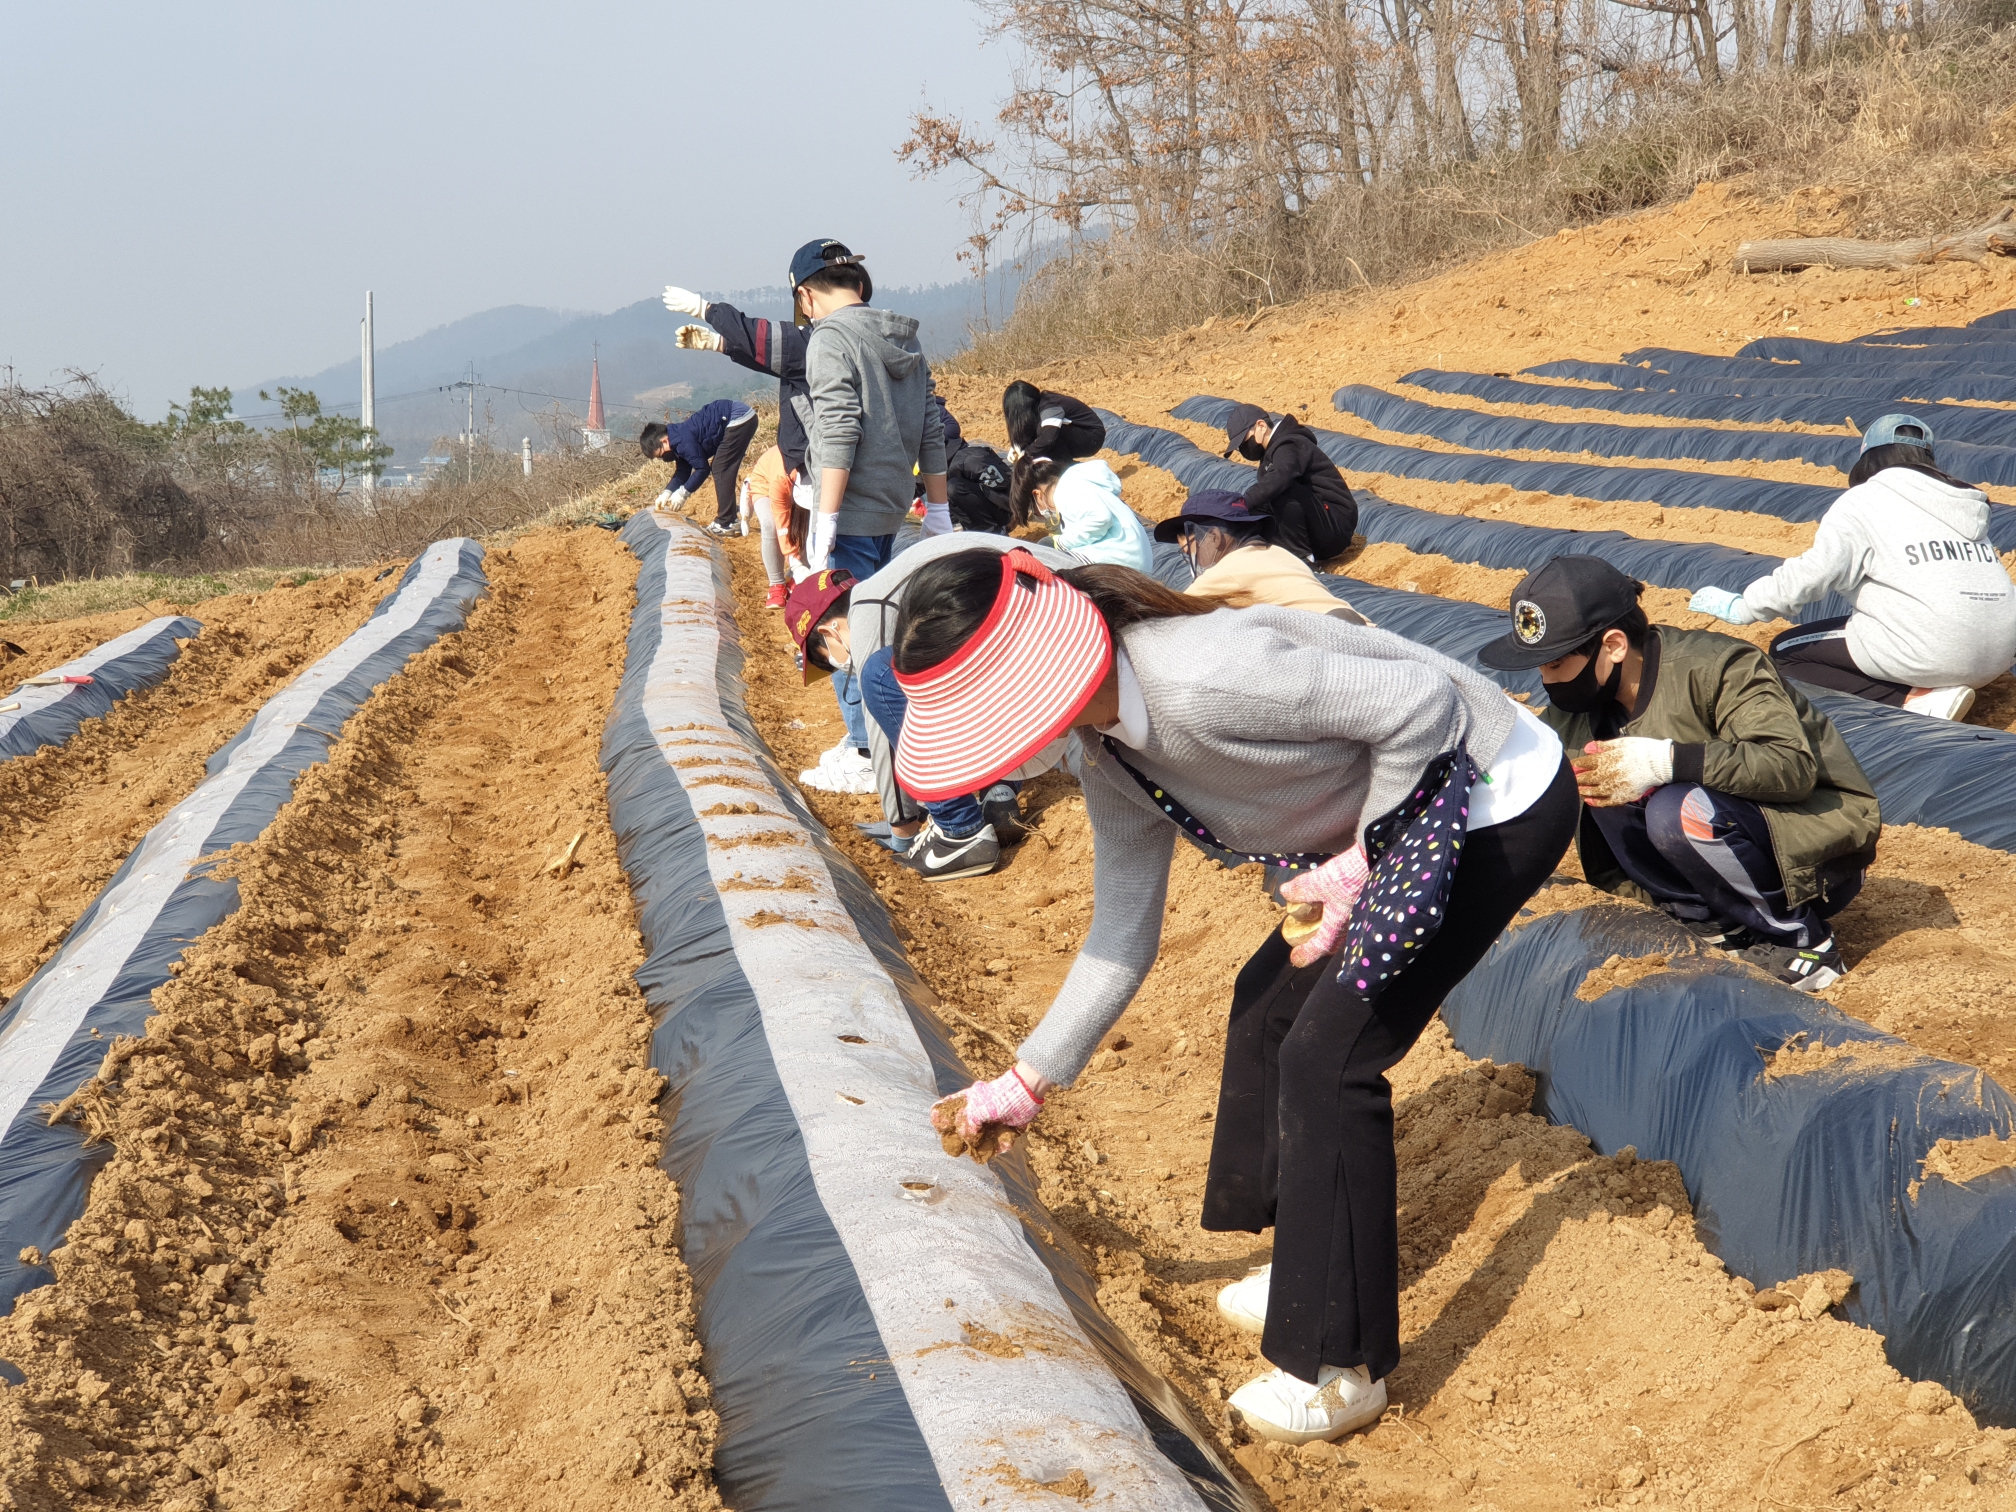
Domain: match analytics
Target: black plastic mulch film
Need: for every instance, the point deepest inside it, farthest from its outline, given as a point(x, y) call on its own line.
point(1788, 1174)
point(1463, 538)
point(791, 1345)
point(1918, 383)
point(46, 1170)
point(1585, 480)
point(1482, 432)
point(139, 659)
point(1815, 403)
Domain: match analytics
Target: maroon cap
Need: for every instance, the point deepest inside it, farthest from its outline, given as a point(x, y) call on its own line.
point(807, 605)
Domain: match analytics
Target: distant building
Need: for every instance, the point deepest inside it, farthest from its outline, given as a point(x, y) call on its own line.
point(595, 434)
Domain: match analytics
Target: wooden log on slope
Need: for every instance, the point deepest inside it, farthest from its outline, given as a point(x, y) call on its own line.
point(1997, 237)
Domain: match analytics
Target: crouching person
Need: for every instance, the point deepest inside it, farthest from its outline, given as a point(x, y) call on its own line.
point(1711, 789)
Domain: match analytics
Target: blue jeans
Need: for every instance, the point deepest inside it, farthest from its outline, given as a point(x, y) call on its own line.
point(863, 557)
point(957, 817)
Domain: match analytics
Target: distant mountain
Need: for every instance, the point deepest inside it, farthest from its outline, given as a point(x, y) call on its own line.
point(533, 365)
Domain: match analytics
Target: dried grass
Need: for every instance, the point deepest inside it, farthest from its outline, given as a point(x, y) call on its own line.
point(1924, 134)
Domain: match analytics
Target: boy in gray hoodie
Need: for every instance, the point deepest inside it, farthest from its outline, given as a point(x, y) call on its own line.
point(874, 434)
point(874, 429)
point(1935, 611)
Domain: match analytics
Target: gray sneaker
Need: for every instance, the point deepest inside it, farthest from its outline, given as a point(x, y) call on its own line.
point(936, 857)
point(1004, 812)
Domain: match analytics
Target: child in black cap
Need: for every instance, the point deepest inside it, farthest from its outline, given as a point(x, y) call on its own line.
point(1712, 789)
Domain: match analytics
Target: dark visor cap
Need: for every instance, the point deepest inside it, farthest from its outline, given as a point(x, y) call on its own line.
point(1214, 506)
point(1559, 610)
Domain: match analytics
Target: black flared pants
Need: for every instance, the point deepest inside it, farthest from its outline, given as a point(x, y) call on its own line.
point(1304, 1139)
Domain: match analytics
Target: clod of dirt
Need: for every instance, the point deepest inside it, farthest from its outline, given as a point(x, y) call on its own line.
point(1072, 1483)
point(1799, 1057)
point(1620, 971)
point(1968, 1159)
point(948, 1118)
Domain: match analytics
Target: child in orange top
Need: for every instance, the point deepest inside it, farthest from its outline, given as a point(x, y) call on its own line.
point(784, 523)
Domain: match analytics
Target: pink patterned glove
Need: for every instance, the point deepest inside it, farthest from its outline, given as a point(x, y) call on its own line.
point(983, 1120)
point(1336, 885)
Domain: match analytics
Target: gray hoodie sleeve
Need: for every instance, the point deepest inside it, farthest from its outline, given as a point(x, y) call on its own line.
point(835, 391)
point(931, 453)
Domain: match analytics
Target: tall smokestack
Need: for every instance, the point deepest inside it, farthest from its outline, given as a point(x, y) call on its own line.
point(370, 413)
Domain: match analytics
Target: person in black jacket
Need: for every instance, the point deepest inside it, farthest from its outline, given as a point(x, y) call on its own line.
point(976, 480)
point(1314, 513)
point(776, 347)
point(1043, 424)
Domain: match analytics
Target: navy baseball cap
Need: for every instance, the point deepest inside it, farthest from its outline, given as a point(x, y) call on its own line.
point(1559, 610)
point(1897, 430)
point(1217, 506)
point(817, 256)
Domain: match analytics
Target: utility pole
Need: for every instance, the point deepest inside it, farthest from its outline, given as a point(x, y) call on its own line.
point(469, 426)
point(370, 407)
point(528, 456)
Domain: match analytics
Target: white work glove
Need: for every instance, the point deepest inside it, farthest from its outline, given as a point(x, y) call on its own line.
point(685, 302)
point(698, 339)
point(1731, 608)
point(937, 519)
point(825, 527)
point(1611, 773)
point(671, 498)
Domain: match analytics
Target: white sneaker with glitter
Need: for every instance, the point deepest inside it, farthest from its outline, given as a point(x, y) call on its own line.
point(1289, 1410)
point(1244, 1303)
point(841, 769)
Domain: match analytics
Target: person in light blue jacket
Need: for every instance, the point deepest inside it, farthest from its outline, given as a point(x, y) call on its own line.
point(1080, 503)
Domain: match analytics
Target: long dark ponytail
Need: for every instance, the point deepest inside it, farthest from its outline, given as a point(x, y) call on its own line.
point(946, 601)
point(1020, 402)
point(1029, 473)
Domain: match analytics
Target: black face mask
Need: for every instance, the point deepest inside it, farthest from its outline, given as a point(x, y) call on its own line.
point(1252, 450)
point(1582, 694)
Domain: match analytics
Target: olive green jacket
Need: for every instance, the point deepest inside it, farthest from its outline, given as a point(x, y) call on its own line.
point(1739, 729)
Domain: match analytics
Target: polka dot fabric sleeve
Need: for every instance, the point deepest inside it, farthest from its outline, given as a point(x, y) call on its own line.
point(1414, 850)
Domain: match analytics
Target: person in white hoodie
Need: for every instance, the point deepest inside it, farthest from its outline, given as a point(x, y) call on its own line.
point(1908, 546)
point(1081, 503)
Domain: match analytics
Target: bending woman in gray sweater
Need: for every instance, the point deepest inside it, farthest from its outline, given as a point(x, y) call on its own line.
point(1340, 751)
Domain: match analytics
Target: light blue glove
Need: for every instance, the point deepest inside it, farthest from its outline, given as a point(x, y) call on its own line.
point(1724, 605)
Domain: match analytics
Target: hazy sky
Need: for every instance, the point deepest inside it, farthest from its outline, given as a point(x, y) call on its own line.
point(202, 193)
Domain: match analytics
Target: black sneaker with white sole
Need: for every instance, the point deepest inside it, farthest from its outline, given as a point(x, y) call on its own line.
point(936, 857)
point(1734, 938)
point(1812, 970)
point(1004, 812)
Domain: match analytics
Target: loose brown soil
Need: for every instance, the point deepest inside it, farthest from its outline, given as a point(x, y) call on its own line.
point(70, 814)
point(382, 1222)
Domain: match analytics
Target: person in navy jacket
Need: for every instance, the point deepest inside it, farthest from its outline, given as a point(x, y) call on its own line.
point(707, 443)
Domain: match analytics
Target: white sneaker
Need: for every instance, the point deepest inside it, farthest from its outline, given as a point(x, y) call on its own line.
point(1244, 1303)
point(841, 770)
point(1288, 1410)
point(1941, 703)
